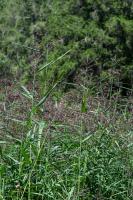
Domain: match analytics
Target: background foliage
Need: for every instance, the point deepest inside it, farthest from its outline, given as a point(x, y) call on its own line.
point(98, 33)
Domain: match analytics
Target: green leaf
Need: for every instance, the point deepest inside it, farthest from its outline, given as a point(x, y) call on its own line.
point(46, 95)
point(52, 62)
point(26, 93)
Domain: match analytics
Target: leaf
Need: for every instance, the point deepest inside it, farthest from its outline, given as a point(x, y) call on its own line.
point(27, 94)
point(46, 95)
point(52, 62)
point(87, 138)
point(13, 159)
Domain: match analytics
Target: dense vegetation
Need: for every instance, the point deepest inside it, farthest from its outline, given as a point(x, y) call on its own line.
point(97, 166)
point(98, 33)
point(66, 105)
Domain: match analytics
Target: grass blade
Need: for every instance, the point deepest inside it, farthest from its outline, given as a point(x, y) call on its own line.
point(46, 95)
point(52, 62)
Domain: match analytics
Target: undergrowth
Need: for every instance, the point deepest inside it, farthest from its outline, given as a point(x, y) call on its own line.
point(52, 162)
point(62, 165)
point(55, 163)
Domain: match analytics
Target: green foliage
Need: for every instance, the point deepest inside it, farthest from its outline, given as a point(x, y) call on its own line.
point(47, 40)
point(69, 167)
point(99, 31)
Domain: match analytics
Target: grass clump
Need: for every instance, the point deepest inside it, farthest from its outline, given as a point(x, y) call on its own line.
point(62, 165)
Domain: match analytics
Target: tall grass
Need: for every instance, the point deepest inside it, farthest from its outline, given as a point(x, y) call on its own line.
point(62, 165)
point(54, 163)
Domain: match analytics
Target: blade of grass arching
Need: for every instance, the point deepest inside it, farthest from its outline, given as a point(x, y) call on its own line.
point(87, 138)
point(26, 93)
point(52, 62)
point(60, 78)
point(13, 159)
point(46, 95)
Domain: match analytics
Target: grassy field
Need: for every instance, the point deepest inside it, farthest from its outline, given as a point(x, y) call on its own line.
point(66, 100)
point(83, 154)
